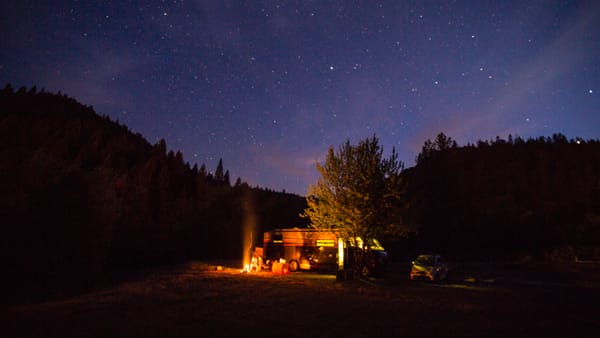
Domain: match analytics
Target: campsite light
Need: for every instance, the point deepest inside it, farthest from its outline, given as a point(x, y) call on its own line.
point(340, 254)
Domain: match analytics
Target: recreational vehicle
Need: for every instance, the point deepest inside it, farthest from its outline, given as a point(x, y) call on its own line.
point(311, 249)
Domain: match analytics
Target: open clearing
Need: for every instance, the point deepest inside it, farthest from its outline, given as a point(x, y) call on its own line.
point(194, 300)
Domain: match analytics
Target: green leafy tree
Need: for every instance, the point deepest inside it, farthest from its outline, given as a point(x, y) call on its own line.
point(358, 195)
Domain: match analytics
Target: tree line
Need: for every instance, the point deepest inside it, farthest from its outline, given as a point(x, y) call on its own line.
point(538, 197)
point(82, 195)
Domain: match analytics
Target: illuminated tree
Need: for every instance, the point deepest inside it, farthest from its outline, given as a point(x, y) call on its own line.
point(357, 196)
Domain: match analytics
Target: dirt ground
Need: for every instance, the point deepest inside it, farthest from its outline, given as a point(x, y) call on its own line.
point(196, 300)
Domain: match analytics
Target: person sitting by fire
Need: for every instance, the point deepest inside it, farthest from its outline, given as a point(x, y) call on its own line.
point(254, 267)
point(256, 262)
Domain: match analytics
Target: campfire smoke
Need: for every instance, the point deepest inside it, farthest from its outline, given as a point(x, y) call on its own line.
point(248, 230)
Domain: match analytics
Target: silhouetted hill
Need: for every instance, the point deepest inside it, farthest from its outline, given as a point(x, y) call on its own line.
point(508, 197)
point(82, 194)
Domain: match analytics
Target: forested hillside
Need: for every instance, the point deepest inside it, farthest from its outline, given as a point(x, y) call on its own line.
point(508, 197)
point(82, 194)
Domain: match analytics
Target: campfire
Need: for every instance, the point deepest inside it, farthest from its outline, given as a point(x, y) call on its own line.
point(255, 264)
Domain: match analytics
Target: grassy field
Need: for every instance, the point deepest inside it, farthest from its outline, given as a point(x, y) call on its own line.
point(195, 300)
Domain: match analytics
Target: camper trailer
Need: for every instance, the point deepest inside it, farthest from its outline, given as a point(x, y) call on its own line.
point(311, 249)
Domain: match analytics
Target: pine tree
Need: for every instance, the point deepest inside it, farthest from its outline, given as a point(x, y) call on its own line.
point(8, 89)
point(161, 146)
point(226, 179)
point(219, 175)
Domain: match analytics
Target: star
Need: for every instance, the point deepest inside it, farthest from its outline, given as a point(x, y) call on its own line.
point(225, 64)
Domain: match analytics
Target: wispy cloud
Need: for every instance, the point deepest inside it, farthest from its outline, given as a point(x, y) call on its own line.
point(496, 116)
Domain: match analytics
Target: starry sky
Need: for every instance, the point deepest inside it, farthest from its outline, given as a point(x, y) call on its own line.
point(269, 86)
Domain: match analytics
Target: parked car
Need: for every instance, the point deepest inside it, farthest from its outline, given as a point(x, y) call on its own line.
point(429, 267)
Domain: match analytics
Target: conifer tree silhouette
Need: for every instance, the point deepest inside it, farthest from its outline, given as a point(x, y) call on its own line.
point(219, 174)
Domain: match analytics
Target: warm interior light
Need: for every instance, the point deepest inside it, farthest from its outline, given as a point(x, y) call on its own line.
point(340, 254)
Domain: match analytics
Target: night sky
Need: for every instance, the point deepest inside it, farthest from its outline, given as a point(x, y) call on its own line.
point(268, 86)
